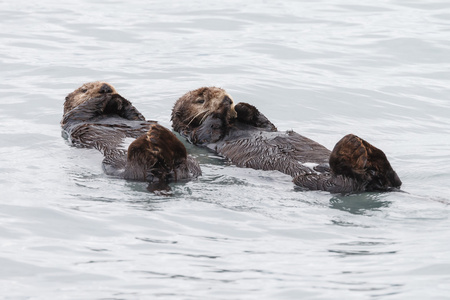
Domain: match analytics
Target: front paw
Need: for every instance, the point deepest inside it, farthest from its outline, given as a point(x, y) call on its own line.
point(249, 114)
point(246, 113)
point(112, 104)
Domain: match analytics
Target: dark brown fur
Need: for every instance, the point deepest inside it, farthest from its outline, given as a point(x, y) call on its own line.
point(95, 116)
point(208, 117)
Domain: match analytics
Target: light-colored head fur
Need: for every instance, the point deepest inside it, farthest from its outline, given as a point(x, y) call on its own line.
point(195, 106)
point(85, 92)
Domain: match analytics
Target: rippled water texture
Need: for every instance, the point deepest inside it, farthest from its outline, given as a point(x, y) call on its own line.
point(322, 68)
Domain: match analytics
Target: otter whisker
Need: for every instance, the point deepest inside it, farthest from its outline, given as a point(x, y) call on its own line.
point(204, 117)
point(96, 116)
point(200, 113)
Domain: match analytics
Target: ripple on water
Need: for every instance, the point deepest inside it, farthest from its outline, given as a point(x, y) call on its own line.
point(323, 69)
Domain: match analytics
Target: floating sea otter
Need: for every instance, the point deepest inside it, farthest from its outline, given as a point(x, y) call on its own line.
point(208, 117)
point(96, 116)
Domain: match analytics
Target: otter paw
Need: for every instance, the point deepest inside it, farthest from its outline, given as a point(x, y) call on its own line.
point(249, 114)
point(246, 113)
point(112, 105)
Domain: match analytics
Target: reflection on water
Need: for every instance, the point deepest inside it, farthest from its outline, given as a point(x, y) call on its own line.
point(360, 204)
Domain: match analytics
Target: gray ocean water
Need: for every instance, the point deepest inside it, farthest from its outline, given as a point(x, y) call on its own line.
point(323, 68)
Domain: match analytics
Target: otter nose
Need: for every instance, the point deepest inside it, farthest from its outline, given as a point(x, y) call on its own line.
point(227, 100)
point(105, 89)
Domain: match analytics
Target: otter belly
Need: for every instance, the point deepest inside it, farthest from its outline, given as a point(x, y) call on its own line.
point(287, 152)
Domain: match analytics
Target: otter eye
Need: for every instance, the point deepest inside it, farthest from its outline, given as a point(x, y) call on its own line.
point(83, 90)
point(200, 101)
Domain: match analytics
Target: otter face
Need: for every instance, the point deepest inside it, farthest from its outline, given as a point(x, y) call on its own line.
point(194, 107)
point(85, 92)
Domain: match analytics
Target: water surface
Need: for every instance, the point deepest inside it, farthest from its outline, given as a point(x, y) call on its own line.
point(322, 68)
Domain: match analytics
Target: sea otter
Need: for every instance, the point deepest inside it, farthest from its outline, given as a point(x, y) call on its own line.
point(208, 117)
point(96, 116)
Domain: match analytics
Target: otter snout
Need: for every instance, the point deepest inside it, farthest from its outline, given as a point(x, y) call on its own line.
point(227, 100)
point(105, 89)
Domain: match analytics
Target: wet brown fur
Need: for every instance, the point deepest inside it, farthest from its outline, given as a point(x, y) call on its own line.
point(356, 158)
point(96, 116)
point(85, 92)
point(195, 106)
point(208, 117)
point(159, 151)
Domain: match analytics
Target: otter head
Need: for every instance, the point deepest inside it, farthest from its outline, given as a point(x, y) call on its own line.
point(358, 159)
point(96, 100)
point(85, 92)
point(194, 107)
point(155, 155)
